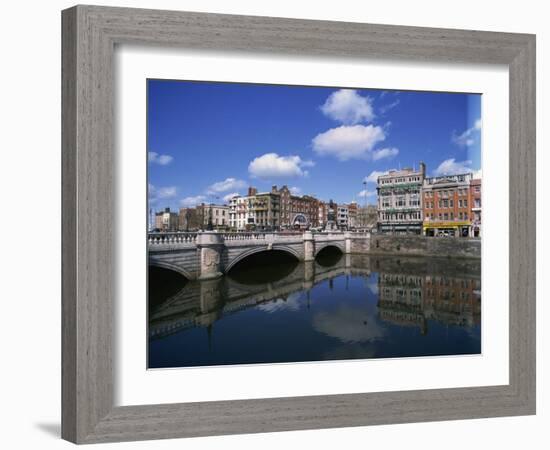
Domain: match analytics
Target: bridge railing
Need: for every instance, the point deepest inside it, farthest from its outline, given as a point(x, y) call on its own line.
point(182, 237)
point(169, 238)
point(249, 236)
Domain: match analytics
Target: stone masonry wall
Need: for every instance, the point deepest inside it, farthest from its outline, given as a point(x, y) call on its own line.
point(425, 246)
point(360, 245)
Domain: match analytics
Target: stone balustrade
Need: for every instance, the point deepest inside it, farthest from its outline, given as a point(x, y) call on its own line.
point(171, 238)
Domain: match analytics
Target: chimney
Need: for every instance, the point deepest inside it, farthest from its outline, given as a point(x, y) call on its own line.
point(423, 169)
point(252, 191)
point(274, 189)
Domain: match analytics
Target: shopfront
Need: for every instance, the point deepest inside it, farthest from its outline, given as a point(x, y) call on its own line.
point(446, 229)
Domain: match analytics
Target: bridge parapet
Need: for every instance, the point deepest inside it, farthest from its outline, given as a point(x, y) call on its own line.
point(160, 239)
point(209, 254)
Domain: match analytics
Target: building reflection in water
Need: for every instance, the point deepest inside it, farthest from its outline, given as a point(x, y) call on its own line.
point(411, 300)
point(343, 307)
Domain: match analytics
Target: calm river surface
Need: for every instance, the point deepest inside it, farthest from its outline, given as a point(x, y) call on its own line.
point(273, 309)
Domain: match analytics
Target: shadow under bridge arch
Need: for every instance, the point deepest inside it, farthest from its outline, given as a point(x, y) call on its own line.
point(173, 267)
point(261, 256)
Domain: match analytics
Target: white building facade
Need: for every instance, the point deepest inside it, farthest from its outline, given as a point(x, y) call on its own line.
point(400, 201)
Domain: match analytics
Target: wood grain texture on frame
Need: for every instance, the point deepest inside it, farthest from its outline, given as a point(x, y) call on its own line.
point(89, 37)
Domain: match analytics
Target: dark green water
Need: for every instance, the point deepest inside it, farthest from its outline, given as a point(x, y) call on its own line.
point(272, 309)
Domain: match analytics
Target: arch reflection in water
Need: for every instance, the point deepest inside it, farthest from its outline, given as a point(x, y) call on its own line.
point(336, 307)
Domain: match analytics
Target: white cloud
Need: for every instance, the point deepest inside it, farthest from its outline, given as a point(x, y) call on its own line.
point(192, 201)
point(468, 137)
point(229, 184)
point(295, 190)
point(373, 177)
point(271, 165)
point(349, 325)
point(291, 303)
point(385, 108)
point(384, 153)
point(348, 142)
point(160, 193)
point(228, 197)
point(348, 107)
point(366, 193)
point(161, 160)
point(452, 167)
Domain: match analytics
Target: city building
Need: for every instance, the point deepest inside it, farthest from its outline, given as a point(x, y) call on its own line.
point(353, 215)
point(238, 213)
point(475, 202)
point(400, 200)
point(213, 215)
point(306, 207)
point(276, 209)
point(188, 219)
point(447, 205)
point(285, 219)
point(260, 211)
point(322, 213)
point(342, 217)
point(297, 211)
point(265, 209)
point(166, 220)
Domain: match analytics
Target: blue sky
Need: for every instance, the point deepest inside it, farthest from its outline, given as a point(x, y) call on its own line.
point(207, 141)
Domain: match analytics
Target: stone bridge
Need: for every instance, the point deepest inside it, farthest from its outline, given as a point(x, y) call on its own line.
point(207, 255)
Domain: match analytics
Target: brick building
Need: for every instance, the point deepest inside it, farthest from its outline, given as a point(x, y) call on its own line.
point(447, 205)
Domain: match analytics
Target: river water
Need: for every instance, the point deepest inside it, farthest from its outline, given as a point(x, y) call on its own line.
point(273, 309)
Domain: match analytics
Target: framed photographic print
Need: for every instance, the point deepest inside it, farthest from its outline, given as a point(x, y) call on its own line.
point(278, 224)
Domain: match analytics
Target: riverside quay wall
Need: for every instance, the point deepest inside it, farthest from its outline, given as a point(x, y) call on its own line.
point(425, 246)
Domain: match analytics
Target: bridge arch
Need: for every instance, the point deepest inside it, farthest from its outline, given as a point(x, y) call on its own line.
point(340, 246)
point(172, 267)
point(252, 251)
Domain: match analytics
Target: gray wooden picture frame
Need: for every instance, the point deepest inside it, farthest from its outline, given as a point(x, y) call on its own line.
point(90, 34)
